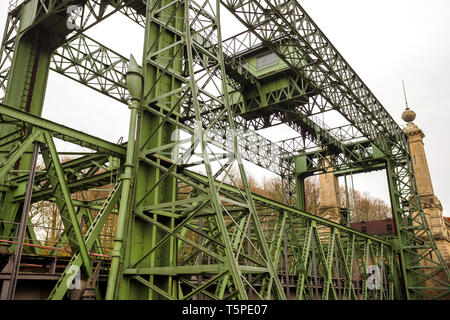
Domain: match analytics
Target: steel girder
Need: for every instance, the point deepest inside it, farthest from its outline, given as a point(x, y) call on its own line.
point(30, 64)
point(170, 86)
point(346, 280)
point(344, 91)
point(57, 183)
point(7, 50)
point(100, 68)
point(403, 176)
point(303, 262)
point(78, 172)
point(90, 238)
point(60, 191)
point(52, 16)
point(23, 121)
point(92, 64)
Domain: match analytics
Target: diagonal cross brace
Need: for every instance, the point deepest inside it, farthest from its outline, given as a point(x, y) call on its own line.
point(64, 200)
point(91, 236)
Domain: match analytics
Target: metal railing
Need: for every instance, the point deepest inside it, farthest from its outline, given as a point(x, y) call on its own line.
point(54, 247)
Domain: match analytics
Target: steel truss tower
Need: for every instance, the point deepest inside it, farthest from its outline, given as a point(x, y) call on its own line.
point(197, 100)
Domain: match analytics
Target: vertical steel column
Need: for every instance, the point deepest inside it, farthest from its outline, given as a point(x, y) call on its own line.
point(314, 266)
point(252, 208)
point(336, 260)
point(300, 201)
point(23, 224)
point(250, 293)
point(200, 256)
point(134, 83)
point(25, 90)
point(401, 238)
point(164, 23)
point(286, 262)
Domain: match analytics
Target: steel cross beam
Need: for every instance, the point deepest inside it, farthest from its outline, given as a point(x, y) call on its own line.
point(343, 90)
point(328, 65)
point(55, 184)
point(56, 17)
point(25, 120)
point(365, 158)
point(170, 86)
point(299, 223)
point(90, 237)
point(60, 190)
point(63, 197)
point(90, 63)
point(212, 109)
point(94, 65)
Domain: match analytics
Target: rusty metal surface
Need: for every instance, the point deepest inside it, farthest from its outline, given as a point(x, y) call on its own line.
point(385, 226)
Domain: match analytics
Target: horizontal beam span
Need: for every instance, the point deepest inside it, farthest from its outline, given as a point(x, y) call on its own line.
point(191, 270)
point(74, 186)
point(179, 270)
point(282, 207)
point(62, 132)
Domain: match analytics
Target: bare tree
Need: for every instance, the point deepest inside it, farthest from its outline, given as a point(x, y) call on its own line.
point(365, 207)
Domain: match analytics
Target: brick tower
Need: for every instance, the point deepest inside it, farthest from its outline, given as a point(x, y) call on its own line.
point(439, 225)
point(329, 196)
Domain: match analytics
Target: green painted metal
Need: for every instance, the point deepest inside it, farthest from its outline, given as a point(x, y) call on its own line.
point(133, 76)
point(155, 83)
point(64, 201)
point(59, 131)
point(231, 262)
point(183, 235)
point(28, 71)
point(17, 152)
point(90, 238)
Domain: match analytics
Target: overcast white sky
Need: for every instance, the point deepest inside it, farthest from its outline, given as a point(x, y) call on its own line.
point(384, 41)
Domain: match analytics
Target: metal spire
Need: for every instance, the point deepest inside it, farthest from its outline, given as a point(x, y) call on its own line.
point(404, 92)
point(408, 115)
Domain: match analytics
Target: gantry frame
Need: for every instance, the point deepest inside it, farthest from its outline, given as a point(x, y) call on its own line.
point(247, 241)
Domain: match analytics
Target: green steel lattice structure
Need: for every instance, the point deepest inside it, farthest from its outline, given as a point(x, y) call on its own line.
point(197, 100)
